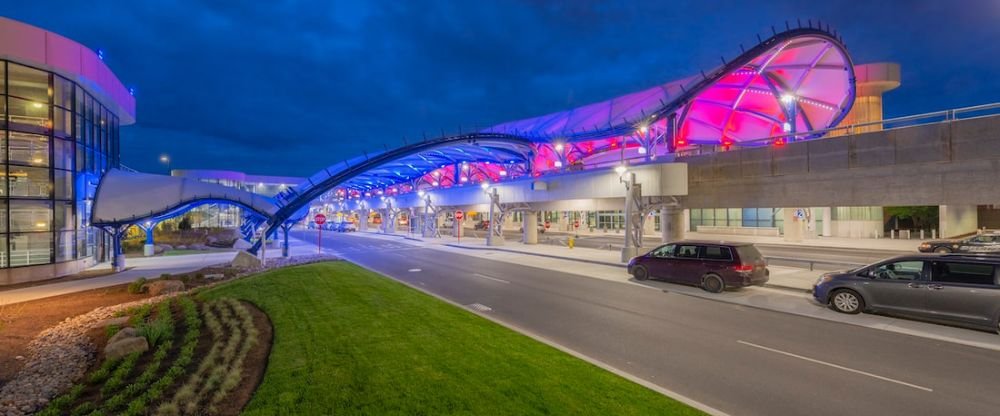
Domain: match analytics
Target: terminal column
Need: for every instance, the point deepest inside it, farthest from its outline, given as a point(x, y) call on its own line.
point(530, 227)
point(149, 248)
point(671, 224)
point(363, 220)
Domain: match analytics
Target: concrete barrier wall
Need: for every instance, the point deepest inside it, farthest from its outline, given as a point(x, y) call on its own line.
point(938, 164)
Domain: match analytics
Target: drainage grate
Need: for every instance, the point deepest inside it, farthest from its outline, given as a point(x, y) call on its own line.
point(480, 307)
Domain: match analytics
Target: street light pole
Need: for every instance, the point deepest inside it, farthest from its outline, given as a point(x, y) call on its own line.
point(165, 159)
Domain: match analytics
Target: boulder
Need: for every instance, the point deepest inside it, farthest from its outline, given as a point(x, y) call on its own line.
point(214, 276)
point(211, 239)
point(165, 247)
point(246, 261)
point(127, 332)
point(181, 247)
point(104, 323)
point(162, 287)
point(242, 244)
point(125, 347)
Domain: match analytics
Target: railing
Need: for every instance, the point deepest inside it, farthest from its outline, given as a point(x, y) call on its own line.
point(812, 263)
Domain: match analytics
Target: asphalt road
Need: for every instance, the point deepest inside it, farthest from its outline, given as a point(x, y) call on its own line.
point(741, 360)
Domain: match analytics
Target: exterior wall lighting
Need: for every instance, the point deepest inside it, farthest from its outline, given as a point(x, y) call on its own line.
point(621, 169)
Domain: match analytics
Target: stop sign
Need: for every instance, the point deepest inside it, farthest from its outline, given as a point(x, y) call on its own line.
point(576, 224)
point(547, 225)
point(319, 219)
point(459, 215)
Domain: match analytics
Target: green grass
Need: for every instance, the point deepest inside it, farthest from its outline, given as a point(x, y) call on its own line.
point(349, 341)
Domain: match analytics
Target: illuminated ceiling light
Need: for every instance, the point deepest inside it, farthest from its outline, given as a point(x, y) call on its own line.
point(40, 224)
point(503, 173)
point(787, 98)
point(437, 173)
point(642, 150)
point(620, 169)
point(36, 160)
point(559, 147)
point(420, 193)
point(644, 129)
point(558, 163)
point(786, 126)
point(484, 185)
point(435, 183)
point(260, 183)
point(464, 179)
point(37, 105)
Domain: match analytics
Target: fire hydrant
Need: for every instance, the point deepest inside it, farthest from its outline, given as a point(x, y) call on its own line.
point(570, 242)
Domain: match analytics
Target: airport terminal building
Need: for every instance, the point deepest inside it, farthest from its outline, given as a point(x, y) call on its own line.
point(61, 108)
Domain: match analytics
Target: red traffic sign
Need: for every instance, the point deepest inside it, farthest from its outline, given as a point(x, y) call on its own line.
point(459, 215)
point(576, 223)
point(319, 219)
point(547, 225)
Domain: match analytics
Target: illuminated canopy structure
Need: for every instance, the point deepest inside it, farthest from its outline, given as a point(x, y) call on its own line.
point(135, 198)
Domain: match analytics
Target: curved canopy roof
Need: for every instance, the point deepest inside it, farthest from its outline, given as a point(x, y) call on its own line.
point(736, 102)
point(131, 197)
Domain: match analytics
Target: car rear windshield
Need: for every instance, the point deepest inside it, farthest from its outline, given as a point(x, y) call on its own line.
point(748, 254)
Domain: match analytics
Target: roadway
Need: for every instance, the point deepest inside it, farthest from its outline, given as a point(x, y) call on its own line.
point(740, 360)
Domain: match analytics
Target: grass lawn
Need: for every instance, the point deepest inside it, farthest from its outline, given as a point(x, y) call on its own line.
point(350, 341)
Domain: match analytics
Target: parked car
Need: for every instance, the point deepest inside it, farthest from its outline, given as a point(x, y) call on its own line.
point(957, 289)
point(346, 227)
point(541, 228)
point(482, 225)
point(712, 265)
point(982, 243)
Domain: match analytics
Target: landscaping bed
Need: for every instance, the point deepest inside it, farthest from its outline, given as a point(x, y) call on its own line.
point(196, 361)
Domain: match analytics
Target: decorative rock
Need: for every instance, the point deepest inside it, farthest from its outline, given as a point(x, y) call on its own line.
point(125, 347)
point(214, 276)
point(246, 261)
point(180, 247)
point(242, 244)
point(162, 287)
point(121, 320)
point(123, 334)
point(19, 357)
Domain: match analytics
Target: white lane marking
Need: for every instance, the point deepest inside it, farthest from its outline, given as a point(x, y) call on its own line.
point(490, 278)
point(839, 367)
point(413, 270)
point(480, 307)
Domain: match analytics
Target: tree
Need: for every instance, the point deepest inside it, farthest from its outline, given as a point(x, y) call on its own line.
point(185, 223)
point(922, 217)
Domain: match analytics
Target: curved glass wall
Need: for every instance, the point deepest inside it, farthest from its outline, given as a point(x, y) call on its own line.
point(55, 142)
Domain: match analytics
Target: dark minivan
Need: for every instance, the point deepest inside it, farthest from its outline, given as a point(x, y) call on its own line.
point(712, 265)
point(956, 289)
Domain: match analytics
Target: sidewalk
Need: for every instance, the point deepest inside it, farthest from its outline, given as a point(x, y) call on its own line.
point(148, 267)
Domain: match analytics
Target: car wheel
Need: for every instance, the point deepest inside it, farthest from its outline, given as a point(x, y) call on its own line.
point(847, 301)
point(713, 283)
point(942, 250)
point(640, 273)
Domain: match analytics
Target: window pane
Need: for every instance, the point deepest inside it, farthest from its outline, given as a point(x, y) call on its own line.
point(30, 248)
point(30, 216)
point(3, 251)
point(65, 243)
point(717, 253)
point(63, 154)
point(63, 184)
point(64, 216)
point(968, 273)
point(3, 217)
point(32, 182)
point(903, 270)
point(687, 251)
point(28, 83)
point(3, 77)
point(81, 244)
point(64, 122)
point(31, 116)
point(80, 96)
point(29, 149)
point(62, 92)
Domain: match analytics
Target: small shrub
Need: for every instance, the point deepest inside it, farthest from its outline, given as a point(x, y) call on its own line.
point(199, 276)
point(156, 332)
point(165, 276)
point(111, 330)
point(138, 286)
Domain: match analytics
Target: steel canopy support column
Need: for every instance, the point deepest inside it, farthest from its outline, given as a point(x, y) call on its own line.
point(149, 248)
point(671, 224)
point(494, 236)
point(529, 227)
point(633, 217)
point(284, 243)
point(363, 220)
point(430, 220)
point(117, 255)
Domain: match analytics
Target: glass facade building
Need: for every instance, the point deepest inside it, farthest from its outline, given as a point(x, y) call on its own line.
point(56, 140)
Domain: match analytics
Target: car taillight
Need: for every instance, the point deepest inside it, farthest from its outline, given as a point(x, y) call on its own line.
point(743, 268)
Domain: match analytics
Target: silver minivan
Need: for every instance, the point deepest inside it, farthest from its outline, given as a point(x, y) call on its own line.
point(957, 289)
